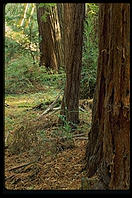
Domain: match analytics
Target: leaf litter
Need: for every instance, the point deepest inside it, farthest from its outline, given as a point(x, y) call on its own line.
point(34, 160)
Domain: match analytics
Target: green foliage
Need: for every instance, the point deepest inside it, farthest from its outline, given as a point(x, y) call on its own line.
point(21, 38)
point(12, 14)
point(90, 52)
point(11, 47)
point(43, 135)
point(63, 130)
point(53, 80)
point(17, 75)
point(67, 127)
point(22, 76)
point(48, 5)
point(22, 71)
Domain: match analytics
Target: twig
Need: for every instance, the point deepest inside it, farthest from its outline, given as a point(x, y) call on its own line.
point(9, 177)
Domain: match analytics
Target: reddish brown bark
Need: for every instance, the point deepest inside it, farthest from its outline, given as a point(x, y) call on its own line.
point(73, 37)
point(108, 149)
point(50, 38)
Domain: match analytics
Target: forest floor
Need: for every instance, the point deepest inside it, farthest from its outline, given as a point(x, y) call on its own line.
point(39, 154)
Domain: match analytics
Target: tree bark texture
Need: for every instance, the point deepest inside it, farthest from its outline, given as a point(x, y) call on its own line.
point(73, 38)
point(50, 38)
point(108, 148)
point(60, 11)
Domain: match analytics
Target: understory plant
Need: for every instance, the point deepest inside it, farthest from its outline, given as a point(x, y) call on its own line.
point(90, 52)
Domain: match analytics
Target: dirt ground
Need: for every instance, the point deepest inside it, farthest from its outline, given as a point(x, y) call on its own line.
point(39, 154)
point(62, 171)
point(46, 163)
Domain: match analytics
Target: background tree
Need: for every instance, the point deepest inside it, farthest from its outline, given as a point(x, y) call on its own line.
point(60, 11)
point(108, 149)
point(21, 31)
point(73, 38)
point(23, 73)
point(50, 36)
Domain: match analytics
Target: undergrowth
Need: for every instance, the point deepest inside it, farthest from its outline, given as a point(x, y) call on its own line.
point(25, 132)
point(22, 76)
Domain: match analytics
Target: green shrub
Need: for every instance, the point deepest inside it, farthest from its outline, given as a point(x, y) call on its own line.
point(22, 76)
point(16, 75)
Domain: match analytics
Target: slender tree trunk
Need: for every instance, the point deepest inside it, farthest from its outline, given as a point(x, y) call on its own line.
point(60, 11)
point(49, 32)
point(73, 37)
point(26, 5)
point(31, 14)
point(108, 148)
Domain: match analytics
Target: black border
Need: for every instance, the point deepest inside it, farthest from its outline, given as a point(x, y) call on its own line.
point(3, 190)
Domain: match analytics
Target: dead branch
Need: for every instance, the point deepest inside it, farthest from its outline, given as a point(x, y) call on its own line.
point(81, 109)
point(55, 110)
point(22, 165)
point(81, 138)
point(50, 107)
point(6, 105)
point(50, 139)
point(80, 134)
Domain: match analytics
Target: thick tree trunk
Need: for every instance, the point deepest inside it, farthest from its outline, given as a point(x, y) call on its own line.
point(73, 37)
point(50, 38)
point(108, 149)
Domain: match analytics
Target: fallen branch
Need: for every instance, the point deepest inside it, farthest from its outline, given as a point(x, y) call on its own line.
point(81, 138)
point(6, 105)
point(76, 137)
point(80, 134)
point(50, 106)
point(81, 109)
point(50, 139)
point(55, 110)
point(22, 165)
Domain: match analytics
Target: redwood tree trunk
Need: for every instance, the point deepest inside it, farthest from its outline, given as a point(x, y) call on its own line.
point(50, 37)
point(108, 148)
point(73, 37)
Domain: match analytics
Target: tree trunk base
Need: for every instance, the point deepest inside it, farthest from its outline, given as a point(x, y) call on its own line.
point(92, 183)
